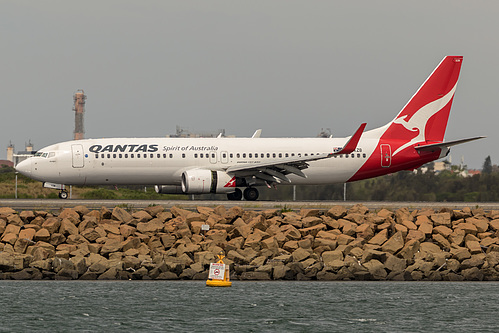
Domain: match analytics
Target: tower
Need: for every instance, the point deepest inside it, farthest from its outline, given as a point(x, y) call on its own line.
point(10, 152)
point(29, 146)
point(79, 108)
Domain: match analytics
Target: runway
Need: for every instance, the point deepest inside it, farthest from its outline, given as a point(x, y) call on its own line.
point(57, 204)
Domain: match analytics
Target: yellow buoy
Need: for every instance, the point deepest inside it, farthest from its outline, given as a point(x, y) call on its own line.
point(219, 273)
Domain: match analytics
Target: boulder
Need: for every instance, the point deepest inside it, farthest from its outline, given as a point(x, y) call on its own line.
point(472, 274)
point(376, 269)
point(52, 224)
point(42, 235)
point(395, 243)
point(441, 219)
point(151, 227)
point(300, 254)
point(410, 248)
point(426, 228)
point(379, 238)
point(68, 228)
point(442, 241)
point(121, 215)
point(337, 212)
point(71, 215)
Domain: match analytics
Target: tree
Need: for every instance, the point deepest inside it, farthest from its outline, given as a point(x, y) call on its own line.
point(487, 165)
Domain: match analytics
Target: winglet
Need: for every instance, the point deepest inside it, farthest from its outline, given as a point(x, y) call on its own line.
point(351, 145)
point(257, 133)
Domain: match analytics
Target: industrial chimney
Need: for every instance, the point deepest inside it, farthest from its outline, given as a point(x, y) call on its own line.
point(79, 109)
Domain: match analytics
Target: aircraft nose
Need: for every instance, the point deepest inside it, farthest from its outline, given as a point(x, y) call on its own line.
point(24, 167)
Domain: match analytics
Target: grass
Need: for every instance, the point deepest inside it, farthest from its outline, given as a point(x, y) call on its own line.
point(31, 189)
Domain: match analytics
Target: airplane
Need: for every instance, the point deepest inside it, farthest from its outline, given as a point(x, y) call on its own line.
point(228, 165)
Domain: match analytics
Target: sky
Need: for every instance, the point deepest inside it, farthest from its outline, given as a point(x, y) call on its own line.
point(290, 68)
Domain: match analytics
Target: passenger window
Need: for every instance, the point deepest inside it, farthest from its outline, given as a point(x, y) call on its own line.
point(183, 155)
point(126, 155)
point(231, 155)
point(280, 155)
point(273, 155)
point(287, 155)
point(158, 155)
point(364, 155)
point(244, 155)
point(151, 155)
point(108, 155)
point(237, 155)
point(201, 155)
point(195, 155)
point(171, 155)
point(96, 155)
point(224, 155)
point(132, 155)
point(358, 155)
point(268, 155)
point(249, 155)
point(120, 155)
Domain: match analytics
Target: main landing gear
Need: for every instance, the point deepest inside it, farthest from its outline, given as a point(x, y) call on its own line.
point(250, 194)
point(63, 194)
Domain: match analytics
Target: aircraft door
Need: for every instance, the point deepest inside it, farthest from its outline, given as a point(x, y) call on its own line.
point(78, 161)
point(386, 155)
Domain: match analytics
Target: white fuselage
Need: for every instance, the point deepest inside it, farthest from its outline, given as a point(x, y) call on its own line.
point(154, 161)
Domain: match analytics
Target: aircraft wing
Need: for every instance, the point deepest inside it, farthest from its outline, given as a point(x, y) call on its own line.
point(277, 169)
point(448, 144)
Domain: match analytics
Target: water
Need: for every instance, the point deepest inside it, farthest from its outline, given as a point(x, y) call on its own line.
point(190, 306)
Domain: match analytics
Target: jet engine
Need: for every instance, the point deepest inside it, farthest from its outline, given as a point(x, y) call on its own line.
point(197, 181)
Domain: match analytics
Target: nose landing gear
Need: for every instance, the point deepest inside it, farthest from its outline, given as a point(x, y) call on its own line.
point(63, 194)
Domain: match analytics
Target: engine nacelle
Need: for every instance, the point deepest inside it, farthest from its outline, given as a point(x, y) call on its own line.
point(199, 181)
point(168, 189)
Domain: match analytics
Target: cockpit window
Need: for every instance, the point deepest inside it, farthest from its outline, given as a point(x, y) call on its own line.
point(44, 154)
point(39, 154)
point(51, 154)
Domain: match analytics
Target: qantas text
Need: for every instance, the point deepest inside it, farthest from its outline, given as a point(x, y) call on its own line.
point(132, 148)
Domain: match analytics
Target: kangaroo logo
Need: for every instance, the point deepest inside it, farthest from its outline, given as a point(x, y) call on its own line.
point(416, 122)
point(231, 183)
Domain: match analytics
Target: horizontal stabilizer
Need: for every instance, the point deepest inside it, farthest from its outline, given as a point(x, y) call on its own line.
point(351, 145)
point(448, 144)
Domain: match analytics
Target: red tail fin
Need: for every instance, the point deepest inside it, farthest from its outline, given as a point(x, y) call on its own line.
point(424, 118)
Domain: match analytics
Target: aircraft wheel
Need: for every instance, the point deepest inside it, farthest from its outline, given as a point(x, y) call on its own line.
point(63, 195)
point(250, 194)
point(236, 195)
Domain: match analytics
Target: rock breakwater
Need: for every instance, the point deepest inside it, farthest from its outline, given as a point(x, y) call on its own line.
point(311, 244)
